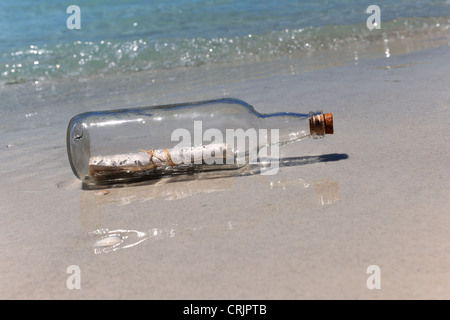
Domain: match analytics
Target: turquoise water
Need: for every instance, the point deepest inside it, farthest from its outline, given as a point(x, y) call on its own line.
point(129, 36)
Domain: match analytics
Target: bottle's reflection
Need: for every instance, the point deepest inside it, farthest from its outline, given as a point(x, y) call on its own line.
point(95, 207)
point(112, 240)
point(102, 212)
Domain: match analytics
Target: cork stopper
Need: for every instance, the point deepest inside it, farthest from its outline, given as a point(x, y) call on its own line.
point(321, 124)
point(328, 117)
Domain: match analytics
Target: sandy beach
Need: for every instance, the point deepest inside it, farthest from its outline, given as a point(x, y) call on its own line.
point(374, 193)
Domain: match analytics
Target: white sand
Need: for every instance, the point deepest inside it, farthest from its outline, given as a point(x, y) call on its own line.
point(309, 232)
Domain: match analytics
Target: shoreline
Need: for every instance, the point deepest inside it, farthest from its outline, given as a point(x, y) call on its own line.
point(330, 46)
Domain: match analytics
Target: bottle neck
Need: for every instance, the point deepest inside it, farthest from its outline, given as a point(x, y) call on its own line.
point(293, 127)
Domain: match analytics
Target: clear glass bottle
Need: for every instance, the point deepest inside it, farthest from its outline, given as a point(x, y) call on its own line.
point(130, 145)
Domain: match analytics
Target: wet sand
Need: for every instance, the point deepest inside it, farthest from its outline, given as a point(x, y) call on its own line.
point(374, 193)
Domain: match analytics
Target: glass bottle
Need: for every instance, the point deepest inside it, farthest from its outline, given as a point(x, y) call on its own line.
point(130, 145)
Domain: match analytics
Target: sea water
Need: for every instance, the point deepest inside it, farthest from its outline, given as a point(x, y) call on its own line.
point(123, 37)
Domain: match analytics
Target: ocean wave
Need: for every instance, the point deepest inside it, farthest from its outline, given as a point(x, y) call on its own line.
point(87, 58)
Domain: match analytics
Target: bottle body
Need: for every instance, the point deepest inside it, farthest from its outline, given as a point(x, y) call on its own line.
point(137, 144)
